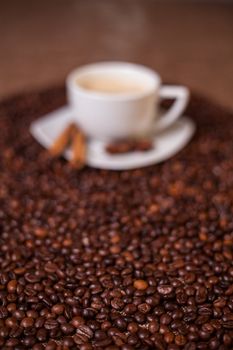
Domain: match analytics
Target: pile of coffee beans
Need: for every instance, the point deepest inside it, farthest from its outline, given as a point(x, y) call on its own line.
point(127, 260)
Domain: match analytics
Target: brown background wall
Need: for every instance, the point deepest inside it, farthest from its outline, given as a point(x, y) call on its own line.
point(187, 42)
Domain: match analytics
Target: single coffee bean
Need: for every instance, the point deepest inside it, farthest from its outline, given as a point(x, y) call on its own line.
point(27, 322)
point(165, 319)
point(140, 284)
point(15, 332)
point(3, 312)
point(132, 327)
point(11, 322)
point(32, 313)
point(83, 334)
point(180, 340)
point(201, 295)
point(19, 314)
point(168, 337)
point(12, 343)
point(41, 334)
point(11, 286)
point(229, 290)
point(165, 289)
point(121, 323)
point(67, 328)
point(153, 326)
point(77, 321)
point(29, 341)
point(51, 345)
point(214, 344)
point(68, 342)
point(220, 302)
point(50, 324)
point(130, 309)
point(58, 309)
point(117, 303)
point(144, 308)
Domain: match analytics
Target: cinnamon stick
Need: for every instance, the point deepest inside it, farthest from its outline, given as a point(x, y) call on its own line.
point(78, 148)
point(74, 137)
point(63, 140)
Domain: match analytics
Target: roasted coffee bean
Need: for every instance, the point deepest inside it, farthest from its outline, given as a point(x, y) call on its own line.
point(32, 313)
point(190, 317)
point(168, 337)
point(11, 286)
point(181, 298)
point(4, 332)
point(159, 342)
point(153, 300)
point(15, 332)
point(27, 322)
point(164, 289)
point(104, 343)
point(201, 295)
point(140, 284)
point(50, 324)
point(83, 334)
point(130, 309)
point(38, 346)
point(140, 317)
point(39, 322)
point(3, 312)
point(58, 309)
point(68, 342)
point(51, 345)
point(12, 343)
point(99, 335)
point(29, 277)
point(41, 334)
point(228, 316)
point(228, 324)
point(19, 314)
point(153, 326)
point(77, 321)
point(229, 290)
point(29, 341)
point(11, 322)
point(117, 303)
point(121, 323)
point(220, 302)
point(67, 328)
point(132, 327)
point(190, 346)
point(144, 308)
point(214, 344)
point(165, 319)
point(127, 347)
point(205, 310)
point(202, 319)
point(180, 340)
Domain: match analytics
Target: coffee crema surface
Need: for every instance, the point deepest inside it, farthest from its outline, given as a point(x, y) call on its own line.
point(110, 84)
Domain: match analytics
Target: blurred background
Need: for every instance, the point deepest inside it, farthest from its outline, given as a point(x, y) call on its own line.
point(188, 42)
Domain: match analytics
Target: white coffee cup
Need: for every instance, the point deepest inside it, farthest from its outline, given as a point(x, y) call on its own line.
point(113, 115)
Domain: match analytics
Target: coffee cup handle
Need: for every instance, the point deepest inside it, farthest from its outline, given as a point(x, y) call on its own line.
point(181, 96)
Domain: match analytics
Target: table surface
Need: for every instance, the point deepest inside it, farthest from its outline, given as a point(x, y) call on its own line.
point(188, 43)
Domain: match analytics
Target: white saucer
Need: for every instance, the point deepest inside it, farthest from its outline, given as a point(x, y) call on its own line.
point(166, 144)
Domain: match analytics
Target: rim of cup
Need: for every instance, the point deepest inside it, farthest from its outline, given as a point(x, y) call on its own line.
point(152, 79)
